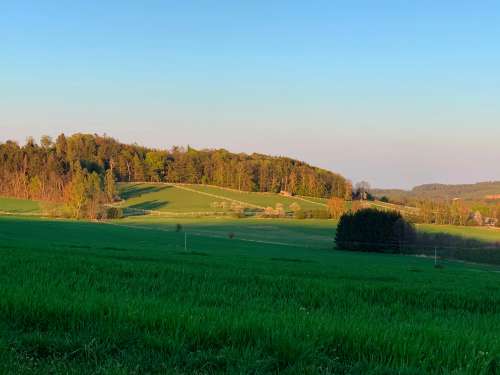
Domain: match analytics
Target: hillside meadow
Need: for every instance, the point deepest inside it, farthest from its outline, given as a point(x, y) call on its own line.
point(177, 198)
point(19, 206)
point(164, 198)
point(126, 297)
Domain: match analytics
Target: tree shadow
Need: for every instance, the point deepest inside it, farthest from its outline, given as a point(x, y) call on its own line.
point(150, 205)
point(451, 246)
point(137, 190)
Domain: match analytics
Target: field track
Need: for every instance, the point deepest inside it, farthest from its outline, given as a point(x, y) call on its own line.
point(205, 234)
point(217, 196)
point(300, 198)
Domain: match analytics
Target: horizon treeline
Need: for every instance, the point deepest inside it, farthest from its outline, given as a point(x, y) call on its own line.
point(487, 190)
point(43, 170)
point(458, 212)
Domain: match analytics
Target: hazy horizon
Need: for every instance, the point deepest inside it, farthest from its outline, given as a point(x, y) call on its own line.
point(395, 94)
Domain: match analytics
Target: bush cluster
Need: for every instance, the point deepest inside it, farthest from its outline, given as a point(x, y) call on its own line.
point(373, 230)
point(312, 214)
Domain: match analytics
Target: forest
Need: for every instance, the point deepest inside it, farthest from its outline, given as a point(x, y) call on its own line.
point(70, 167)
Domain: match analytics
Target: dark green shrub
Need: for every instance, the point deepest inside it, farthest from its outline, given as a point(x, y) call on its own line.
point(373, 230)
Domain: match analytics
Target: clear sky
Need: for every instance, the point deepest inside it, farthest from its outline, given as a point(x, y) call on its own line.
point(394, 92)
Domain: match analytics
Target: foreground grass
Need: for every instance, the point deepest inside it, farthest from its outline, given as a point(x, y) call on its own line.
point(94, 298)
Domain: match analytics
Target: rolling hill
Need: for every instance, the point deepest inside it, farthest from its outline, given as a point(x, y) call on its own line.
point(163, 198)
point(478, 191)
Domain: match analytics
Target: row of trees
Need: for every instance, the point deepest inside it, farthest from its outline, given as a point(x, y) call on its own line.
point(458, 212)
point(42, 170)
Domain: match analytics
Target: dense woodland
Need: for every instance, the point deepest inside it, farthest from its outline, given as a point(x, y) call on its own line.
point(52, 170)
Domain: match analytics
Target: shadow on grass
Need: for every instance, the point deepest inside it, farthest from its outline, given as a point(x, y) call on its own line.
point(150, 205)
point(450, 246)
point(440, 245)
point(137, 190)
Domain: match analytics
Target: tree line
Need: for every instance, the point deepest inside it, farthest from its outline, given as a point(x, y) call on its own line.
point(55, 170)
point(455, 212)
point(458, 212)
point(432, 208)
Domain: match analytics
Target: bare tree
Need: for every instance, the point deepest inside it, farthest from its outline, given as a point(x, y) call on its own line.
point(362, 189)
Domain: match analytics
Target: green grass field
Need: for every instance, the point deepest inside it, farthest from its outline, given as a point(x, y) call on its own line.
point(19, 206)
point(178, 199)
point(199, 198)
point(164, 198)
point(260, 199)
point(121, 298)
point(313, 233)
point(480, 233)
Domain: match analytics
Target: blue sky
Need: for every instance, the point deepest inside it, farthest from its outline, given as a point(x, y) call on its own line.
point(395, 92)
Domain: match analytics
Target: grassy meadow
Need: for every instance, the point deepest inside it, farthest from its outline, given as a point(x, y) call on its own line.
point(201, 198)
point(487, 234)
point(164, 198)
point(19, 206)
point(260, 199)
point(314, 233)
point(125, 297)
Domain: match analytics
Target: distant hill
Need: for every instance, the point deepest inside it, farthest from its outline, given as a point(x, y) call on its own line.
point(479, 191)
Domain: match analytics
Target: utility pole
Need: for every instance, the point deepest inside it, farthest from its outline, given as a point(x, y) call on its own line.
point(185, 241)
